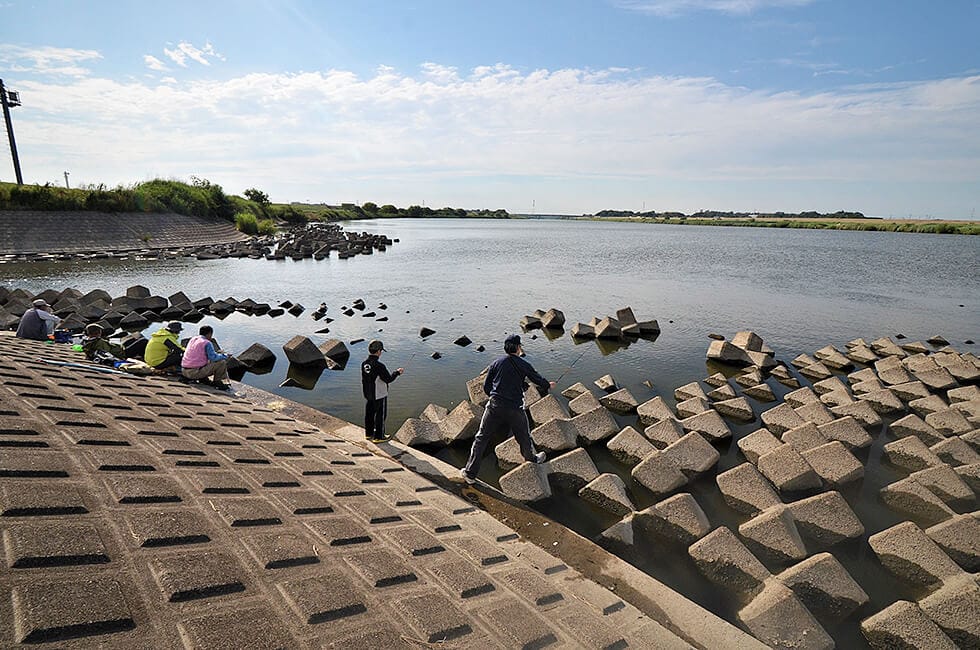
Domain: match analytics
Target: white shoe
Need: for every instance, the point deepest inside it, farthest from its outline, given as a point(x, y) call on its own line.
point(466, 477)
point(540, 457)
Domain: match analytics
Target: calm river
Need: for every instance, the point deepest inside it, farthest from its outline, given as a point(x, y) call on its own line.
point(798, 289)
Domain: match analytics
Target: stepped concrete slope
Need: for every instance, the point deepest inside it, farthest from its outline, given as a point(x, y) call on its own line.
point(73, 232)
point(142, 513)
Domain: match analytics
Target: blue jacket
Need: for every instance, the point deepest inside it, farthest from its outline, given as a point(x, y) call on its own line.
point(505, 379)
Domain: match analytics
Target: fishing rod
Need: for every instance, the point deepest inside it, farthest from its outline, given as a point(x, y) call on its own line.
point(571, 366)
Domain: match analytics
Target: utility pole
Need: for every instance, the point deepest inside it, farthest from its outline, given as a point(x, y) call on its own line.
point(9, 99)
point(66, 181)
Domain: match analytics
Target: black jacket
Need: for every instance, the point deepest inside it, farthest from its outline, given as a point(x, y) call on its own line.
point(505, 379)
point(375, 378)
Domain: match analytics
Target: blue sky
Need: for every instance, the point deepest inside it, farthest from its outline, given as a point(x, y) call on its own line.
point(571, 107)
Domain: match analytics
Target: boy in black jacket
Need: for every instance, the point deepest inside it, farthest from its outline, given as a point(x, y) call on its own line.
point(374, 381)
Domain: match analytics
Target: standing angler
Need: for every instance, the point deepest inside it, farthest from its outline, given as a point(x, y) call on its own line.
point(374, 380)
point(505, 411)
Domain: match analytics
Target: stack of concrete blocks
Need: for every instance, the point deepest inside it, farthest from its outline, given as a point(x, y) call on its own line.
point(938, 563)
point(623, 325)
point(745, 349)
point(678, 519)
point(440, 426)
point(782, 609)
point(550, 319)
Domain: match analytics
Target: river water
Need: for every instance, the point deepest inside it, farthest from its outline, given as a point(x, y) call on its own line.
point(798, 289)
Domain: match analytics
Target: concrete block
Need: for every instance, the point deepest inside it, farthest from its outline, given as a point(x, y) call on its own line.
point(557, 435)
point(629, 446)
point(803, 360)
point(911, 454)
point(913, 425)
point(836, 398)
point(722, 392)
point(831, 385)
point(745, 490)
point(609, 493)
point(751, 377)
point(910, 391)
point(959, 537)
point(528, 482)
point(689, 391)
point(778, 618)
point(816, 372)
point(606, 383)
point(679, 518)
point(815, 412)
point(787, 470)
point(301, 351)
point(824, 586)
point(804, 437)
point(584, 403)
point(926, 405)
point(780, 419)
point(826, 519)
point(950, 422)
point(904, 626)
point(906, 551)
point(574, 390)
point(963, 394)
point(572, 469)
point(724, 560)
point(665, 432)
point(884, 402)
point(546, 409)
point(692, 406)
point(620, 534)
point(954, 451)
point(858, 376)
point(801, 396)
point(772, 535)
point(737, 409)
point(860, 411)
point(761, 393)
point(757, 443)
point(622, 401)
point(942, 481)
point(598, 424)
point(709, 424)
point(653, 411)
point(956, 609)
point(970, 475)
point(834, 463)
point(846, 430)
point(915, 500)
point(692, 454)
point(508, 454)
point(716, 380)
point(867, 386)
point(658, 474)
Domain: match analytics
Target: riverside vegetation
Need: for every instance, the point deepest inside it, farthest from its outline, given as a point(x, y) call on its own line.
point(810, 220)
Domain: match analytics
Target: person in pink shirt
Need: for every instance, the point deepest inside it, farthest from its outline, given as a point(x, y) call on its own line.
point(202, 361)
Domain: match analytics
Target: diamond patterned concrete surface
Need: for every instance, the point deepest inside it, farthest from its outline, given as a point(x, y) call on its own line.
point(138, 512)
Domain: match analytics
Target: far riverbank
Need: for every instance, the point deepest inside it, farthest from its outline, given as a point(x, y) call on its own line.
point(935, 227)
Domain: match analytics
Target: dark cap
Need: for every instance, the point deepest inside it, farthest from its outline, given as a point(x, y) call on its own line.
point(375, 346)
point(174, 326)
point(512, 341)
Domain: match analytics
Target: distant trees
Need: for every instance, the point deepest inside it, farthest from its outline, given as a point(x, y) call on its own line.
point(253, 194)
point(370, 207)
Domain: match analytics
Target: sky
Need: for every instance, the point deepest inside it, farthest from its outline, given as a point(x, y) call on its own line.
point(540, 106)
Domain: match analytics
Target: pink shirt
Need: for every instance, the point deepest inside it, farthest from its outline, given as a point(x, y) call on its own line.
point(195, 356)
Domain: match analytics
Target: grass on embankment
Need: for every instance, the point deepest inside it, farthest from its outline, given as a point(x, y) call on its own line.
point(882, 225)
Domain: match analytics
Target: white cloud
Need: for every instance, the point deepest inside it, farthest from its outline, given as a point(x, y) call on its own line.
point(184, 51)
point(154, 63)
point(392, 134)
point(675, 7)
point(46, 60)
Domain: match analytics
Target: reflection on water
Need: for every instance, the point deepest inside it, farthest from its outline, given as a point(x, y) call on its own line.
point(799, 289)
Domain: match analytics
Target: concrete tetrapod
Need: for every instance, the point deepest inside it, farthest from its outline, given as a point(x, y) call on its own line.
point(777, 617)
point(824, 586)
point(679, 518)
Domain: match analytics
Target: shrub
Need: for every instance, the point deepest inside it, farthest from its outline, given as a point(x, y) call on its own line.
point(246, 223)
point(267, 227)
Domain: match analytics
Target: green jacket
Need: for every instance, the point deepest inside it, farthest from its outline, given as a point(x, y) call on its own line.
point(157, 348)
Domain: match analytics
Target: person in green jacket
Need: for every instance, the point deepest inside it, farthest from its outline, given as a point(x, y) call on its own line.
point(163, 350)
point(93, 344)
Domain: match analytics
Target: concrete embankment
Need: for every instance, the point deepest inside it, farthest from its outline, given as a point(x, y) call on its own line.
point(140, 512)
point(24, 232)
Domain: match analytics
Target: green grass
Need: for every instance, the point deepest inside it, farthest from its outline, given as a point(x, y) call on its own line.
point(938, 227)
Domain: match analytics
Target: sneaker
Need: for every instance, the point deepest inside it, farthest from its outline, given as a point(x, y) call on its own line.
point(466, 477)
point(540, 457)
point(221, 385)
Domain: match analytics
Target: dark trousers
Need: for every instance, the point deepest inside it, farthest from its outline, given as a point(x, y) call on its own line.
point(375, 412)
point(500, 418)
point(172, 362)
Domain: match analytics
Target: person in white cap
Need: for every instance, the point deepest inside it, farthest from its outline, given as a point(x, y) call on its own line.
point(38, 323)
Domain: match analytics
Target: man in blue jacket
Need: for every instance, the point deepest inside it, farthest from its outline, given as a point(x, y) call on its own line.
point(505, 410)
point(374, 382)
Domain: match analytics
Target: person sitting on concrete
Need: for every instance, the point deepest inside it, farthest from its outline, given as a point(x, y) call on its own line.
point(201, 361)
point(97, 348)
point(38, 323)
point(163, 351)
